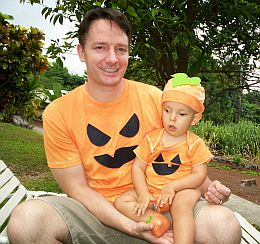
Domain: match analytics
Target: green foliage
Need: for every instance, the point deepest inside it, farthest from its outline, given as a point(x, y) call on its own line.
point(178, 36)
point(241, 140)
point(251, 106)
point(137, 69)
point(21, 61)
point(213, 39)
point(237, 159)
point(56, 73)
point(56, 92)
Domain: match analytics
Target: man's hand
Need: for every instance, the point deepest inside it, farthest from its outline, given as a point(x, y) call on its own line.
point(217, 193)
point(144, 231)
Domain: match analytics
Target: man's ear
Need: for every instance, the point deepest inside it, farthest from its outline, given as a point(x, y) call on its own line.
point(196, 118)
point(81, 52)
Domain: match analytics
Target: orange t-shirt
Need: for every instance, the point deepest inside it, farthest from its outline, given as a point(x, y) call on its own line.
point(169, 163)
point(101, 135)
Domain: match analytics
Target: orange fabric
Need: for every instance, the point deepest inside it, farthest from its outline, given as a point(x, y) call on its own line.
point(190, 153)
point(190, 95)
point(69, 121)
point(184, 98)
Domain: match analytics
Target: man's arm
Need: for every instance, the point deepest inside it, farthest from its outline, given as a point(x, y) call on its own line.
point(73, 183)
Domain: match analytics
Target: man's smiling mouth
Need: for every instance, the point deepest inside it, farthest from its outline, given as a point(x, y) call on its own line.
point(110, 70)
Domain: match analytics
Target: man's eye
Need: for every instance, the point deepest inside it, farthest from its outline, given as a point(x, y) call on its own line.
point(122, 50)
point(99, 47)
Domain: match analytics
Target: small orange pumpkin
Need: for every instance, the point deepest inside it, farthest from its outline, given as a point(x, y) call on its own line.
point(160, 224)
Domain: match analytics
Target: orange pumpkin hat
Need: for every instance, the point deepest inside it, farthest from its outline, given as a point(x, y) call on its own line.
point(185, 90)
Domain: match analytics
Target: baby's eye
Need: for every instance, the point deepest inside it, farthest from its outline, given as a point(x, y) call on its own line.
point(182, 114)
point(166, 110)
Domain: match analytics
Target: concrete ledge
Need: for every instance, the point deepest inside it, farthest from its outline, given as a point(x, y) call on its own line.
point(250, 211)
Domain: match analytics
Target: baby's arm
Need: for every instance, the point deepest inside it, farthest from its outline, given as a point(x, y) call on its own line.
point(143, 195)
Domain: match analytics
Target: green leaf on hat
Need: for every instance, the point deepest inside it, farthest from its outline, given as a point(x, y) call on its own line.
point(180, 79)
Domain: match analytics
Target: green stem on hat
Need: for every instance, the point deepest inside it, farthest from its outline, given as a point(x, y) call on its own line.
point(180, 79)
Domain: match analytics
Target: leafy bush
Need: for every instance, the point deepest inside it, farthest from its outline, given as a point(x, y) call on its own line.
point(241, 140)
point(21, 62)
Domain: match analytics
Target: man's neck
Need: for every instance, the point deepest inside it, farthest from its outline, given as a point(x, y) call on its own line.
point(105, 93)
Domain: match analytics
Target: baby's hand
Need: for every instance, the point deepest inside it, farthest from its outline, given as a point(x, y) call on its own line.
point(142, 203)
point(165, 197)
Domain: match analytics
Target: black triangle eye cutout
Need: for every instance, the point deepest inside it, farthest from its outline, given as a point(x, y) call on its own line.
point(131, 128)
point(176, 160)
point(96, 136)
point(159, 158)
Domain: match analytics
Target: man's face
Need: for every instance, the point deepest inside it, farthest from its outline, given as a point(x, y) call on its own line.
point(105, 53)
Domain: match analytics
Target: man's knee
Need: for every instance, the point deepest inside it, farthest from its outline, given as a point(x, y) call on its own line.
point(217, 224)
point(26, 216)
point(30, 222)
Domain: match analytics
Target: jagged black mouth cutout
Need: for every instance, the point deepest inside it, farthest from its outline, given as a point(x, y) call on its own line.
point(165, 169)
point(122, 156)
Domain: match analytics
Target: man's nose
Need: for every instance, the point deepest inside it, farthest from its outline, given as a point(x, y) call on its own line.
point(111, 56)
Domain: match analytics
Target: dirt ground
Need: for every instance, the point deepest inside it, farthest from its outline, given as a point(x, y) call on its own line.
point(232, 179)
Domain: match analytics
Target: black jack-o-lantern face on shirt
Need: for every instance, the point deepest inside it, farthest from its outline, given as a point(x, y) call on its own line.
point(122, 155)
point(165, 169)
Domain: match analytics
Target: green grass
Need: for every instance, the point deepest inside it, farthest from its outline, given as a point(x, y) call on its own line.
point(218, 166)
point(250, 172)
point(23, 151)
point(225, 167)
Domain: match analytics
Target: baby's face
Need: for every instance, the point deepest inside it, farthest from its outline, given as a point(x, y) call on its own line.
point(177, 118)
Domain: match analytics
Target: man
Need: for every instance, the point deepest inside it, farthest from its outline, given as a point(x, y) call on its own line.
point(89, 138)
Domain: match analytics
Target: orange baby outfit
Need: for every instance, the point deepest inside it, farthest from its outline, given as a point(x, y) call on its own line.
point(101, 135)
point(170, 163)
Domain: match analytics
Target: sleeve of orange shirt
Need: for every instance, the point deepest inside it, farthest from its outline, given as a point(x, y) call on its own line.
point(143, 150)
point(61, 151)
point(200, 153)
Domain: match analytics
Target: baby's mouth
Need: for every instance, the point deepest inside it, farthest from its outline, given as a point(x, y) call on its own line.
point(172, 127)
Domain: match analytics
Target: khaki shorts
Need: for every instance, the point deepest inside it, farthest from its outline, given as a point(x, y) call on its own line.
point(85, 228)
